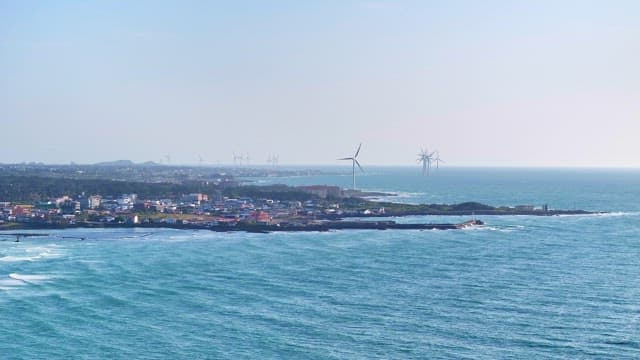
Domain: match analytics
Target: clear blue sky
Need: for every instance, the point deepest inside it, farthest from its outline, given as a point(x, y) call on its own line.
point(511, 83)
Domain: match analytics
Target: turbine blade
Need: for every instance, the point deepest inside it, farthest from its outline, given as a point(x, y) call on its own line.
point(357, 151)
point(346, 159)
point(357, 163)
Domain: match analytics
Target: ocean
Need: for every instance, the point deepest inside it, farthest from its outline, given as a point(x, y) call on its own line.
point(521, 287)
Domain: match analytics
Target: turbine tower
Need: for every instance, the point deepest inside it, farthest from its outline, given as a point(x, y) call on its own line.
point(437, 159)
point(354, 162)
point(237, 159)
point(425, 158)
point(272, 160)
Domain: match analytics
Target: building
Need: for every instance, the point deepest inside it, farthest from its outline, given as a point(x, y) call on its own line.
point(21, 210)
point(70, 207)
point(260, 217)
point(61, 200)
point(94, 201)
point(127, 199)
point(133, 219)
point(195, 198)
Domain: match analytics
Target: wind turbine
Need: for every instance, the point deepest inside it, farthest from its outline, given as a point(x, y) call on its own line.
point(272, 160)
point(237, 158)
point(354, 162)
point(437, 159)
point(425, 158)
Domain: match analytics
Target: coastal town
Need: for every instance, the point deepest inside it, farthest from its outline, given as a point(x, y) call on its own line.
point(188, 209)
point(122, 194)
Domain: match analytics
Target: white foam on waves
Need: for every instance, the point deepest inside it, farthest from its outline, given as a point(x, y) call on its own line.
point(502, 229)
point(605, 214)
point(30, 278)
point(33, 254)
point(9, 283)
point(11, 258)
point(15, 281)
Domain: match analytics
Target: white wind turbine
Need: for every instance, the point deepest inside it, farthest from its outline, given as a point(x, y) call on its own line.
point(273, 160)
point(354, 162)
point(237, 159)
point(437, 159)
point(425, 158)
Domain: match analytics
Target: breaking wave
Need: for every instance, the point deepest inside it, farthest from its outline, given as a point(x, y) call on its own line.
point(29, 278)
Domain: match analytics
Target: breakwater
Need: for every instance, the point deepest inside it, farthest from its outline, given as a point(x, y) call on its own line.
point(262, 228)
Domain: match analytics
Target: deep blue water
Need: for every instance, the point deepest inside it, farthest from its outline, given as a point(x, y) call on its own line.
point(521, 287)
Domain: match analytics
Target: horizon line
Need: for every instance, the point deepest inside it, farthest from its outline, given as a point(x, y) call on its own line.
point(261, 166)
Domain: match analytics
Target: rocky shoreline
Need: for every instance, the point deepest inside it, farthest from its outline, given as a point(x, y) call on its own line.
point(484, 212)
point(252, 228)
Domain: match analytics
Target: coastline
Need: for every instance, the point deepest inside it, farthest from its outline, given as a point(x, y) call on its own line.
point(318, 226)
point(323, 222)
point(483, 212)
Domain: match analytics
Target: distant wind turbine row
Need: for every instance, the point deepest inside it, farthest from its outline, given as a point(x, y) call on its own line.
point(273, 160)
point(239, 158)
point(425, 157)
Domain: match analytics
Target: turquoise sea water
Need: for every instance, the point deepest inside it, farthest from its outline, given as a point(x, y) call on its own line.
point(521, 287)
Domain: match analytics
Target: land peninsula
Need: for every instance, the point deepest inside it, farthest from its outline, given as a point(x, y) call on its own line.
point(37, 196)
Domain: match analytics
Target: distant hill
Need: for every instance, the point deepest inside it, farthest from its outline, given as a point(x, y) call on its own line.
point(125, 163)
point(149, 163)
point(116, 163)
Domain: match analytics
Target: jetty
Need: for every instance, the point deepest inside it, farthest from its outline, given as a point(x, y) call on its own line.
point(358, 225)
point(18, 236)
point(312, 226)
point(81, 238)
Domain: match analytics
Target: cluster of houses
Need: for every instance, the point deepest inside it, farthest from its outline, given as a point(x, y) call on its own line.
point(188, 209)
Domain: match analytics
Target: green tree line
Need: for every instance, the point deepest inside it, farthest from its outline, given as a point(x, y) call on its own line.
point(16, 188)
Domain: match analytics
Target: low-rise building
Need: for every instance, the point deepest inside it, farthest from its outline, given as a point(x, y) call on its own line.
point(94, 201)
point(195, 198)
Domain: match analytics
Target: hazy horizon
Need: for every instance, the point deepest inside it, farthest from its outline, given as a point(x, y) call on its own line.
point(346, 166)
point(491, 84)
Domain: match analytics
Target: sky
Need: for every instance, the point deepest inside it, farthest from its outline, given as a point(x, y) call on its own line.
point(487, 83)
